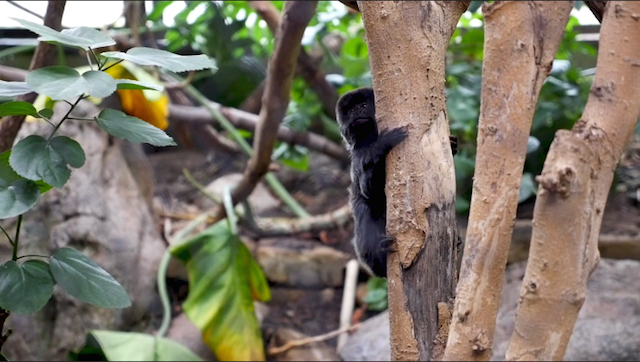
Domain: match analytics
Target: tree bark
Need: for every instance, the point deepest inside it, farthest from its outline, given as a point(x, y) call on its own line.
point(44, 55)
point(521, 41)
point(295, 18)
point(408, 78)
point(574, 186)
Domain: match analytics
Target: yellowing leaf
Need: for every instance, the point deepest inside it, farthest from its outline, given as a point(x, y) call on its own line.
point(135, 103)
point(223, 282)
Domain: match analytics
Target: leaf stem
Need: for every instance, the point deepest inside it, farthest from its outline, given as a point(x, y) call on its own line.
point(80, 119)
point(113, 65)
point(66, 116)
point(16, 239)
point(33, 256)
point(7, 235)
point(95, 57)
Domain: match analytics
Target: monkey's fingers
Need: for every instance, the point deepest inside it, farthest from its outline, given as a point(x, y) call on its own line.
point(454, 144)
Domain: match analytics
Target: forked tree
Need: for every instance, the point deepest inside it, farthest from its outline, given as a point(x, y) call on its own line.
point(431, 317)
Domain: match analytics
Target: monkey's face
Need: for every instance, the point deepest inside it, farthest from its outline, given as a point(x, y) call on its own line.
point(356, 115)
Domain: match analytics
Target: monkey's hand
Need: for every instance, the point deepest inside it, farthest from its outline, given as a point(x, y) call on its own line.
point(388, 139)
point(454, 144)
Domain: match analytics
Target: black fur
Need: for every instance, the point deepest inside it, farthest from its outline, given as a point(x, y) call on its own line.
point(356, 115)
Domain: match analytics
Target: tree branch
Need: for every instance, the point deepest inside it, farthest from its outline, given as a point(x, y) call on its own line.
point(518, 57)
point(407, 43)
point(45, 54)
point(574, 186)
point(248, 121)
point(306, 67)
point(280, 70)
point(597, 8)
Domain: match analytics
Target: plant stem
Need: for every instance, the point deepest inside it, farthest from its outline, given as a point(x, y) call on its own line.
point(4, 314)
point(33, 256)
point(95, 57)
point(113, 65)
point(66, 116)
point(16, 239)
point(7, 235)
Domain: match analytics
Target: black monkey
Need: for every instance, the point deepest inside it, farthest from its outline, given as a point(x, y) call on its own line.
point(356, 115)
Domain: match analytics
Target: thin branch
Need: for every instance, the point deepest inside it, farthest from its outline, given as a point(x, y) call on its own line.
point(597, 8)
point(297, 15)
point(25, 9)
point(248, 121)
point(304, 341)
point(306, 67)
point(44, 55)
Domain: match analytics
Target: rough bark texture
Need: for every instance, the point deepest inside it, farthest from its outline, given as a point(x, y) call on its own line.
point(102, 213)
point(45, 54)
point(407, 42)
point(521, 41)
point(574, 186)
point(295, 18)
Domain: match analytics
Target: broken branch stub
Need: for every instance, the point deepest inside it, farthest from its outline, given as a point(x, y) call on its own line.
point(574, 186)
point(521, 41)
point(407, 42)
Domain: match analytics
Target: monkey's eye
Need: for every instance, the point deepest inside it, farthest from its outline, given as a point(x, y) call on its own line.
point(364, 105)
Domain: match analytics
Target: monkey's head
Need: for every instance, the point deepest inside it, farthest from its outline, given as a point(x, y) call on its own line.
point(356, 113)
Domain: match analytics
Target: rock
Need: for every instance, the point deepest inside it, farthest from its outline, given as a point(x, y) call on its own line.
point(102, 213)
point(370, 342)
point(301, 263)
point(260, 199)
point(608, 325)
point(186, 333)
point(607, 329)
point(316, 351)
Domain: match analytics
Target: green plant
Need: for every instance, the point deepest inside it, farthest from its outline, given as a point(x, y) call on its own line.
point(36, 164)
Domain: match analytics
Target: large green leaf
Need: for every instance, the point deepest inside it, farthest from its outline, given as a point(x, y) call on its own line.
point(223, 282)
point(131, 128)
point(85, 280)
point(129, 346)
point(13, 89)
point(25, 288)
point(162, 58)
point(61, 82)
point(81, 37)
point(36, 159)
point(17, 109)
point(9, 175)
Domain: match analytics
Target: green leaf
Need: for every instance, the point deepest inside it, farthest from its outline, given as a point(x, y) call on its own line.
point(130, 346)
point(85, 280)
point(162, 58)
point(61, 82)
point(223, 282)
point(17, 197)
point(46, 113)
point(82, 37)
point(17, 109)
point(3, 357)
point(158, 10)
point(131, 128)
point(13, 89)
point(134, 84)
point(25, 288)
point(36, 159)
point(8, 175)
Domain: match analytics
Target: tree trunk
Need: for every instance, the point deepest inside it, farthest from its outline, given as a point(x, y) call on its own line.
point(407, 42)
point(521, 41)
point(574, 186)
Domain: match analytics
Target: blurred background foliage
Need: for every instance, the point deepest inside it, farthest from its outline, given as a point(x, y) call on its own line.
point(235, 35)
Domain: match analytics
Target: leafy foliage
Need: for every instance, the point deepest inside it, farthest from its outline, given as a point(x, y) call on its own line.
point(26, 287)
point(223, 282)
